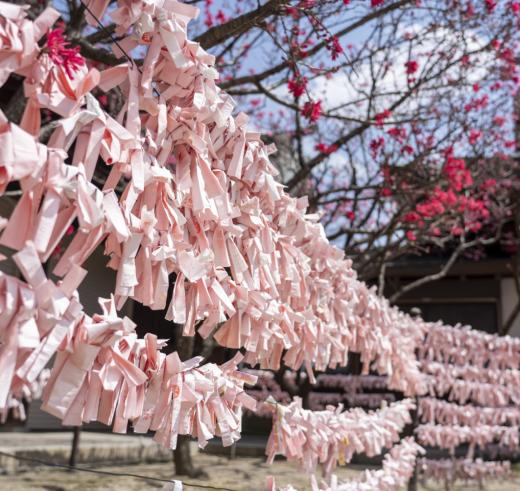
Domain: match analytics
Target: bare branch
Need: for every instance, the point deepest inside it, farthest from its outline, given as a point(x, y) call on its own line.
point(239, 25)
point(317, 48)
point(432, 277)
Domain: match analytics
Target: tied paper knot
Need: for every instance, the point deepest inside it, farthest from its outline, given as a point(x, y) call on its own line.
point(330, 437)
point(191, 194)
point(398, 467)
point(191, 197)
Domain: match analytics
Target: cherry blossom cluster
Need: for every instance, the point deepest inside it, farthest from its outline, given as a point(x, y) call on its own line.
point(470, 209)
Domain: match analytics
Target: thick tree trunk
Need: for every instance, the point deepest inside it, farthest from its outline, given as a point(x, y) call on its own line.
point(305, 390)
point(74, 450)
point(183, 460)
point(182, 457)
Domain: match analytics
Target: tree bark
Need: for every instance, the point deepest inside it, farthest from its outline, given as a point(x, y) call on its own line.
point(75, 446)
point(183, 460)
point(305, 389)
point(16, 105)
point(239, 25)
point(182, 457)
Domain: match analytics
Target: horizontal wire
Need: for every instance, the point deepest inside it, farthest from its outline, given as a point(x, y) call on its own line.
point(116, 42)
point(111, 473)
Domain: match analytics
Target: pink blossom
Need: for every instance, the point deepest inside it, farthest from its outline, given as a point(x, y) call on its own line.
point(326, 149)
point(297, 86)
point(410, 235)
point(399, 133)
point(489, 184)
point(411, 67)
point(334, 46)
point(221, 17)
point(474, 136)
point(456, 231)
point(312, 110)
point(61, 54)
point(376, 145)
point(382, 116)
point(490, 5)
point(411, 217)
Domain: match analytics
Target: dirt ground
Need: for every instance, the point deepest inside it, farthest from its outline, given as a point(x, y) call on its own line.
point(241, 474)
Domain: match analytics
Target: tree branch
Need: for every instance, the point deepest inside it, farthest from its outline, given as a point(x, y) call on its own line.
point(239, 25)
point(281, 66)
point(508, 324)
point(97, 54)
point(432, 277)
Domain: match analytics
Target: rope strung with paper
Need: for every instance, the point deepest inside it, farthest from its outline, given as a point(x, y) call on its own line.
point(449, 470)
point(347, 391)
point(199, 200)
point(398, 467)
point(466, 366)
point(103, 371)
point(461, 345)
point(333, 436)
point(433, 410)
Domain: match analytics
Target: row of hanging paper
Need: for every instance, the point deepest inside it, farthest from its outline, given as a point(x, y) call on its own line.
point(470, 413)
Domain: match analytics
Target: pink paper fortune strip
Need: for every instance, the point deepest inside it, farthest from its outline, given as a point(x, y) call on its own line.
point(332, 436)
point(451, 436)
point(451, 470)
point(432, 410)
point(463, 391)
point(200, 201)
point(398, 467)
point(103, 371)
point(461, 345)
point(14, 407)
